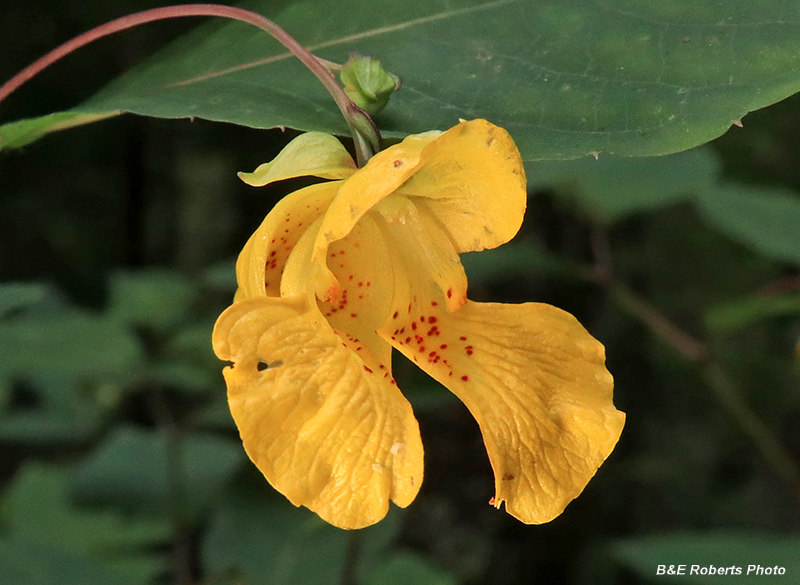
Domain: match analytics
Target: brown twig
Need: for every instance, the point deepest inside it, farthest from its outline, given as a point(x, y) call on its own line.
point(697, 351)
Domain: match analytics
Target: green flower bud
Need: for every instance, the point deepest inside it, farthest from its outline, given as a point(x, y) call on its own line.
point(367, 83)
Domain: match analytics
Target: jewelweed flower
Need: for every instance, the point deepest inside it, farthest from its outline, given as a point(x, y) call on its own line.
point(341, 272)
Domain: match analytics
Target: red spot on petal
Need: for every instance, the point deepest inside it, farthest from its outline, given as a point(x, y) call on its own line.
point(432, 320)
point(397, 163)
point(462, 338)
point(422, 319)
point(434, 303)
point(443, 346)
point(353, 314)
point(395, 315)
point(408, 340)
point(465, 378)
point(449, 293)
point(414, 326)
point(469, 352)
point(366, 368)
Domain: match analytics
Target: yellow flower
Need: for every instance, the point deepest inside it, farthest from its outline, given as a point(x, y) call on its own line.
point(341, 272)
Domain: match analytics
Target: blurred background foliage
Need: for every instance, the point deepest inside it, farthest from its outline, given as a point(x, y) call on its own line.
point(119, 462)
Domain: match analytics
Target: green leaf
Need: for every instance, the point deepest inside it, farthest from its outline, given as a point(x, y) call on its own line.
point(158, 299)
point(645, 554)
point(19, 295)
point(18, 134)
point(134, 467)
point(741, 313)
point(406, 568)
point(514, 259)
point(265, 540)
point(567, 77)
point(268, 542)
point(612, 188)
point(71, 345)
point(71, 363)
point(41, 520)
point(762, 218)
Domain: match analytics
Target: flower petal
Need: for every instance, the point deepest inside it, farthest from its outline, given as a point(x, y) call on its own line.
point(325, 428)
point(382, 175)
point(413, 227)
point(532, 377)
point(311, 154)
point(473, 180)
point(261, 261)
point(354, 283)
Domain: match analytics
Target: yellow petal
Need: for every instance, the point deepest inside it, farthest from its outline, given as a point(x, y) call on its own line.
point(354, 283)
point(325, 428)
point(261, 261)
point(413, 227)
point(382, 175)
point(311, 154)
point(473, 180)
point(530, 374)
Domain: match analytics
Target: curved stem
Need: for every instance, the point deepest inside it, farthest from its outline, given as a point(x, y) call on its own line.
point(321, 69)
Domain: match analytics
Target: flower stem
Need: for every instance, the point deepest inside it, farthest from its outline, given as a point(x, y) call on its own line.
point(357, 119)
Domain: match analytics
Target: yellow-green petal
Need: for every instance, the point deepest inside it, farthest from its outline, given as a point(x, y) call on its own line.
point(314, 154)
point(325, 428)
point(473, 179)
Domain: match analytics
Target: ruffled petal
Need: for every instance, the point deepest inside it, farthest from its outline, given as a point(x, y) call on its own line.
point(325, 428)
point(314, 154)
point(260, 264)
point(536, 382)
point(532, 377)
point(473, 179)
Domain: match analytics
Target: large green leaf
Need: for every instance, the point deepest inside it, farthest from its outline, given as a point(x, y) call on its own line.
point(567, 77)
point(47, 539)
point(133, 468)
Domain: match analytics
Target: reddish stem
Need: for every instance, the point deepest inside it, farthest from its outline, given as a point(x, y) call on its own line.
point(346, 106)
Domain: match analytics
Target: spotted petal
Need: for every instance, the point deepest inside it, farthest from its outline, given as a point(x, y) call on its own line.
point(532, 377)
point(261, 262)
point(325, 428)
